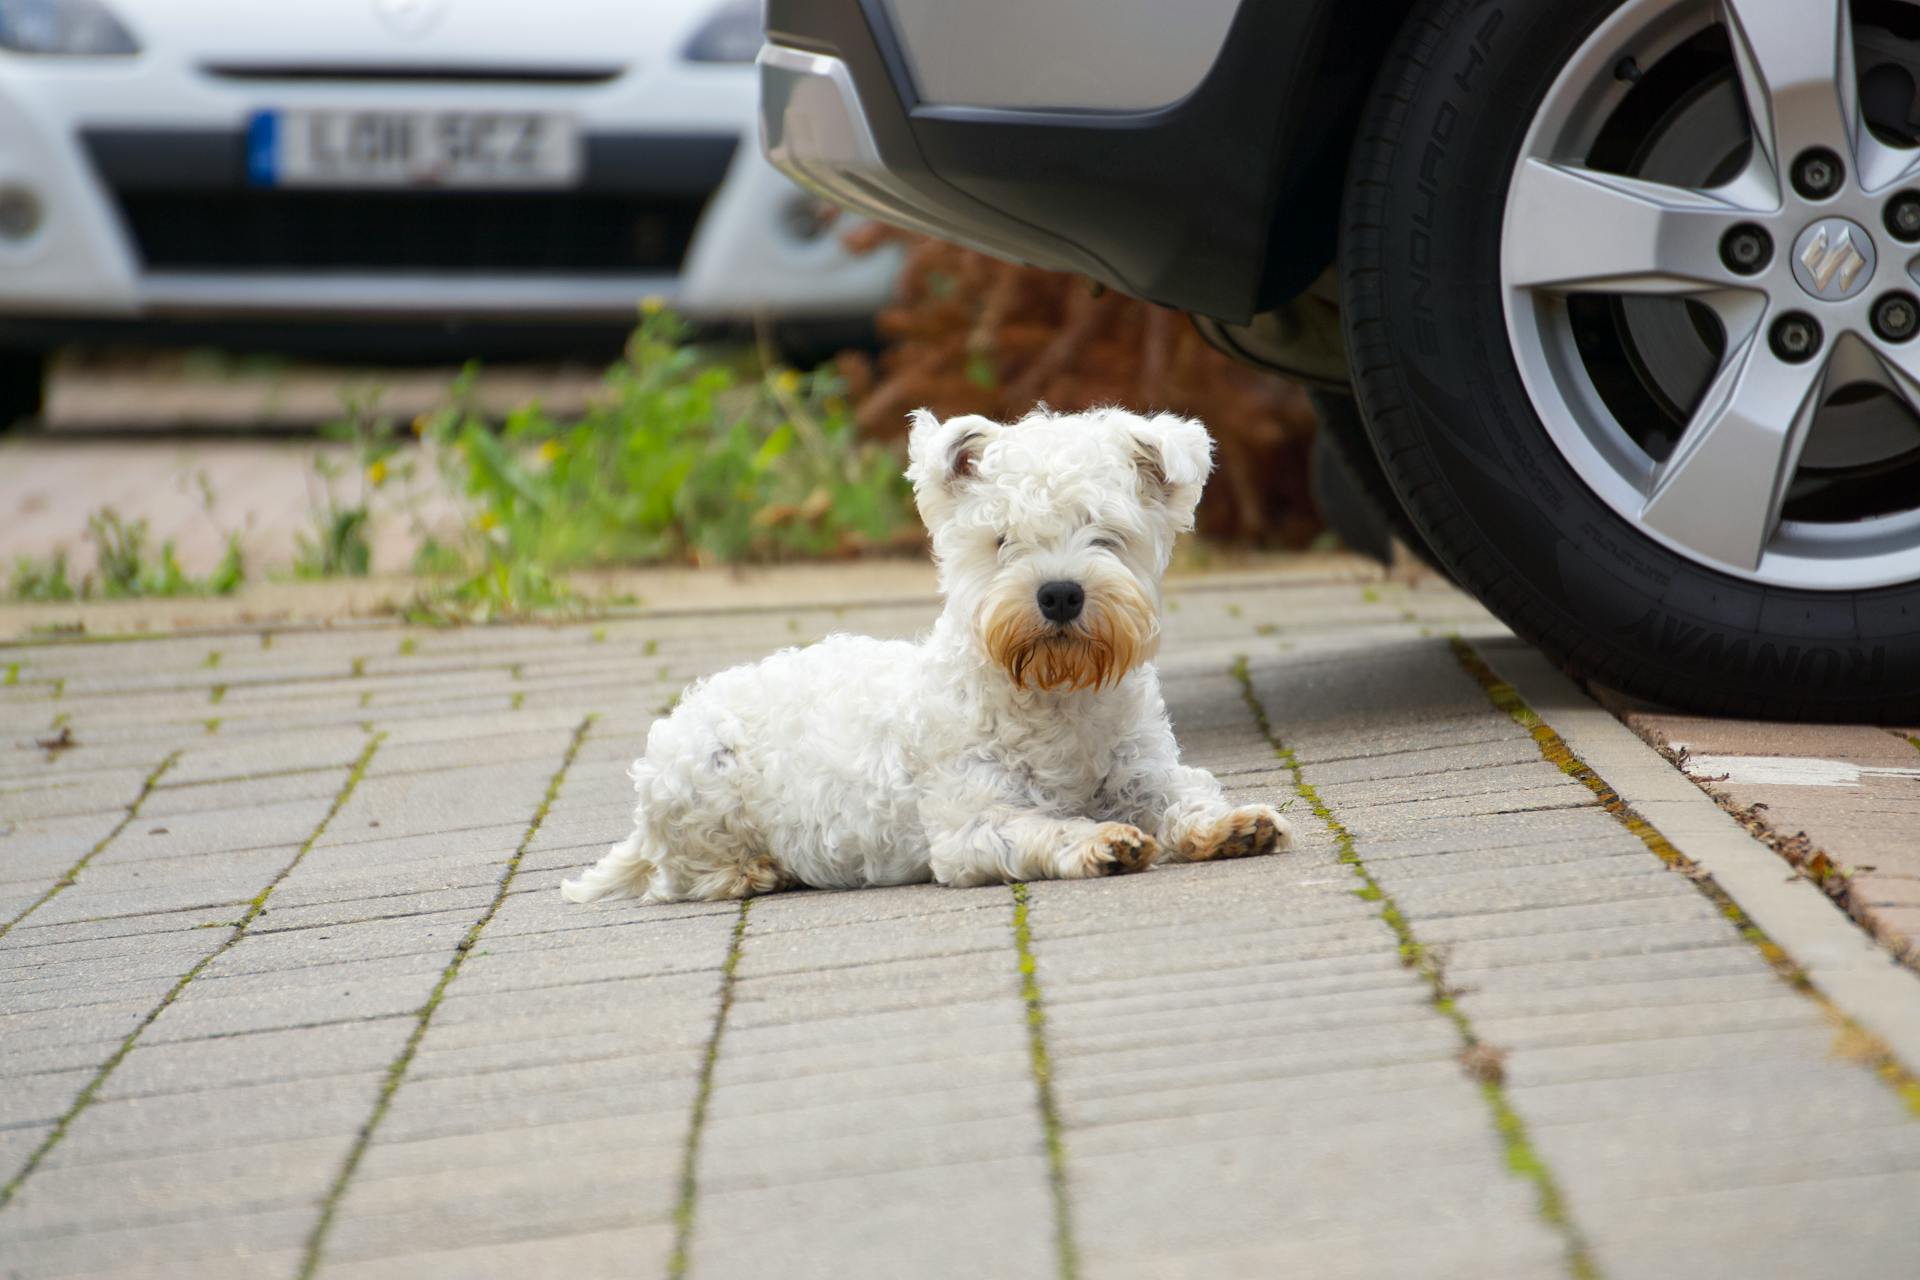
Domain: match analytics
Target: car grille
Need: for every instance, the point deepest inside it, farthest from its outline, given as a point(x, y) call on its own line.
point(187, 206)
point(505, 232)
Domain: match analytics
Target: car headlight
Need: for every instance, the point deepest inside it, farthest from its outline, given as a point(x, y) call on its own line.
point(732, 34)
point(75, 28)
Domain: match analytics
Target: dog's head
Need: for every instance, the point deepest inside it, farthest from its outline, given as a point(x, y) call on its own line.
point(1051, 534)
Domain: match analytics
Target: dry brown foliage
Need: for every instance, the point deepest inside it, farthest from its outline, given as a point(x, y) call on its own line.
point(972, 334)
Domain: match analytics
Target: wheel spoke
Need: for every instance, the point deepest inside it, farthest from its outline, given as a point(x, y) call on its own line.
point(1899, 372)
point(1795, 62)
point(1720, 492)
point(1574, 230)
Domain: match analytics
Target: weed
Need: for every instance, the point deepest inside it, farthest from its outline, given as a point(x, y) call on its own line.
point(41, 581)
point(338, 545)
point(684, 458)
point(128, 567)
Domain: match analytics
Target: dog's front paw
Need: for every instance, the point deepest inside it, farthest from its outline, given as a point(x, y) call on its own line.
point(1246, 832)
point(1114, 849)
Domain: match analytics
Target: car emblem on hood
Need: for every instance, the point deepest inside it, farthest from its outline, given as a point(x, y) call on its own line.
point(409, 17)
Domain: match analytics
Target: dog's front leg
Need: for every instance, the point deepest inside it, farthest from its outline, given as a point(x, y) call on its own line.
point(1185, 809)
point(1003, 845)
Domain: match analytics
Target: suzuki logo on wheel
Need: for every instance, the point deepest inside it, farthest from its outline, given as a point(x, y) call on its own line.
point(1833, 259)
point(409, 17)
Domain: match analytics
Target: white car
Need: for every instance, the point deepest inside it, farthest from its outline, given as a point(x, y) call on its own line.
point(192, 168)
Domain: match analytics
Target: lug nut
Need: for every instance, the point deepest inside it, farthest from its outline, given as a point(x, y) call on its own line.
point(1903, 216)
point(1818, 173)
point(1896, 317)
point(19, 213)
point(1747, 249)
point(1795, 337)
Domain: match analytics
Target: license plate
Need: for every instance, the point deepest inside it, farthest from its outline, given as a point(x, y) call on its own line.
point(331, 148)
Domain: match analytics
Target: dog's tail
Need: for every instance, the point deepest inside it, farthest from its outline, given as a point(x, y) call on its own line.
point(625, 872)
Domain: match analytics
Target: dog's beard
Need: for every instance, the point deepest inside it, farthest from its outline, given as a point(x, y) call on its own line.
point(1118, 631)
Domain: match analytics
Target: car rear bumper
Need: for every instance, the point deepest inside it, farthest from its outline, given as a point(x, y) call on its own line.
point(1223, 202)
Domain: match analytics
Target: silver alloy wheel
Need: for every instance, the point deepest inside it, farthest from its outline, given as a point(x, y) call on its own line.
point(1717, 496)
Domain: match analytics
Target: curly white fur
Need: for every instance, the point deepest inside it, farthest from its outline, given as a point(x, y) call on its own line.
point(1001, 746)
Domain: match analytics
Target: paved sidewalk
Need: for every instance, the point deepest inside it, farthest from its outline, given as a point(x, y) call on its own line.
point(287, 989)
point(1839, 802)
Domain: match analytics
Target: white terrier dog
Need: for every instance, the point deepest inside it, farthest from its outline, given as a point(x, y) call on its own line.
point(1024, 738)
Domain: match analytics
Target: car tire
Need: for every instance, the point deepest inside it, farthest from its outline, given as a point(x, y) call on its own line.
point(23, 387)
point(1463, 443)
point(1352, 491)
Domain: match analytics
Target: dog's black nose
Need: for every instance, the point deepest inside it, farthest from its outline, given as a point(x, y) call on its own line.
point(1061, 601)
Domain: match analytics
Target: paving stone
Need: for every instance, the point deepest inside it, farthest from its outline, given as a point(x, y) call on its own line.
point(1773, 1230)
point(110, 791)
point(155, 885)
point(234, 1119)
point(29, 1100)
point(238, 1007)
point(35, 854)
point(198, 834)
point(17, 1144)
point(243, 793)
point(919, 1222)
point(258, 1058)
point(236, 1245)
point(584, 1253)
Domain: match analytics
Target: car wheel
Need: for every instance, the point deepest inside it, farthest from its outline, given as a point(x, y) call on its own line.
point(1631, 314)
point(23, 386)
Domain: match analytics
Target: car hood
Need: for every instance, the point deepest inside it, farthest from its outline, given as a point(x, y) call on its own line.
point(414, 33)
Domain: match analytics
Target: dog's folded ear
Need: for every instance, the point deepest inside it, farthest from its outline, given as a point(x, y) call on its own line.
point(1174, 455)
point(942, 456)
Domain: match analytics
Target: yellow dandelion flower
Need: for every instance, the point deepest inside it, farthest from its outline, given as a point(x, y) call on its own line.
point(486, 521)
point(549, 450)
point(377, 474)
point(652, 305)
point(786, 382)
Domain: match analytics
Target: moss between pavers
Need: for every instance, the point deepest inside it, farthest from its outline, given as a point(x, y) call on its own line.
point(1851, 1040)
point(1066, 1250)
point(684, 1207)
point(397, 1069)
point(1479, 1060)
point(255, 906)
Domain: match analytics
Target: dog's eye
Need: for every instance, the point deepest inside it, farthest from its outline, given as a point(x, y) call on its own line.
point(1000, 542)
point(1107, 544)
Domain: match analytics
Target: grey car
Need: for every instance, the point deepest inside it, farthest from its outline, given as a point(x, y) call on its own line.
point(1611, 303)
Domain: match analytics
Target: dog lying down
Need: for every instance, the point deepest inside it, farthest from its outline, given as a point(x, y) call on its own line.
point(1023, 738)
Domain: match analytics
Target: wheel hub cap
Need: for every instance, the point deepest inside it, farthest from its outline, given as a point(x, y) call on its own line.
point(1833, 259)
